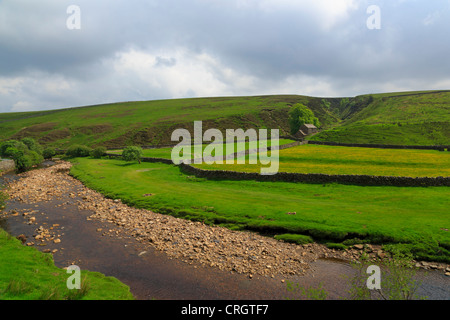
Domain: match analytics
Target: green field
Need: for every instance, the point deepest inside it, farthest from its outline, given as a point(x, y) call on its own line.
point(351, 160)
point(166, 153)
point(28, 274)
point(414, 219)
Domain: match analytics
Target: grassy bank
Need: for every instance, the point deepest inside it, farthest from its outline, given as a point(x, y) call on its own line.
point(350, 160)
point(28, 274)
point(412, 219)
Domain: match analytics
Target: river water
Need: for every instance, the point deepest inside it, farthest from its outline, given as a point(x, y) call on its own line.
point(150, 274)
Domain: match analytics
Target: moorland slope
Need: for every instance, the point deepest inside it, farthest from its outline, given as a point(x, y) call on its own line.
point(413, 118)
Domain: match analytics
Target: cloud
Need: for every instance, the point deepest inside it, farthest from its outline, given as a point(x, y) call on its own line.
point(431, 18)
point(139, 50)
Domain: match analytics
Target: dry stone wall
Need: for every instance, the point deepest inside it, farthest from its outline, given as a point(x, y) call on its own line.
point(365, 180)
point(381, 146)
point(6, 165)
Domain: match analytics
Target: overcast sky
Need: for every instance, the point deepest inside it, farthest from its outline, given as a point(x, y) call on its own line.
point(128, 50)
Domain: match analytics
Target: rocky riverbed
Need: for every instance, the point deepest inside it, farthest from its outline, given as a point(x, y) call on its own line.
point(240, 252)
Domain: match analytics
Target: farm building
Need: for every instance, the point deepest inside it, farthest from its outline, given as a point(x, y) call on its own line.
point(306, 130)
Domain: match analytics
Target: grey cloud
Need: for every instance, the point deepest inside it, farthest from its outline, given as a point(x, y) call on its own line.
point(270, 46)
point(165, 62)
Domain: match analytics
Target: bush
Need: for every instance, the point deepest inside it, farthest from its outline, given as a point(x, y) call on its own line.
point(98, 152)
point(16, 145)
point(77, 150)
point(32, 145)
point(35, 157)
point(22, 162)
point(19, 151)
point(132, 154)
point(48, 153)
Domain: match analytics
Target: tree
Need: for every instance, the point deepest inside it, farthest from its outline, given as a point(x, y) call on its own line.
point(18, 145)
point(25, 153)
point(21, 160)
point(77, 150)
point(299, 115)
point(132, 153)
point(48, 153)
point(32, 145)
point(98, 152)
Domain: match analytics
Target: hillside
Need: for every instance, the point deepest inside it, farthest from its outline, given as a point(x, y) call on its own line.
point(409, 118)
point(415, 118)
point(152, 122)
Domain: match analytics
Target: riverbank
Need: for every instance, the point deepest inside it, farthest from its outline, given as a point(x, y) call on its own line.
point(49, 199)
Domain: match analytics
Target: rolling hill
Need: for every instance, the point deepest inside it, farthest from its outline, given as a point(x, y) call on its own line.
point(409, 118)
point(390, 118)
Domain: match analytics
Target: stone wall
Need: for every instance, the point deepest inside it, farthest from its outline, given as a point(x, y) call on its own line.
point(6, 165)
point(381, 146)
point(144, 159)
point(316, 178)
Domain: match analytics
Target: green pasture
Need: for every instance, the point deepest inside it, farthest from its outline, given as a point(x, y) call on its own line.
point(213, 149)
point(351, 160)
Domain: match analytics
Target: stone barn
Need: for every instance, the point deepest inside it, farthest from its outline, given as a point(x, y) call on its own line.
point(306, 130)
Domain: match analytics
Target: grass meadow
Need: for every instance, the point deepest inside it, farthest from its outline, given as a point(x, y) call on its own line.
point(166, 153)
point(351, 160)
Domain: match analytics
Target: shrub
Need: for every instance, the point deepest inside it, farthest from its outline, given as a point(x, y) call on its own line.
point(48, 153)
point(132, 154)
point(399, 279)
point(98, 152)
point(25, 153)
point(17, 145)
point(22, 161)
point(35, 157)
point(77, 150)
point(32, 145)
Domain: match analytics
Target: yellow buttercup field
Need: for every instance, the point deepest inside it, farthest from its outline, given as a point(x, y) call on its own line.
point(355, 161)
